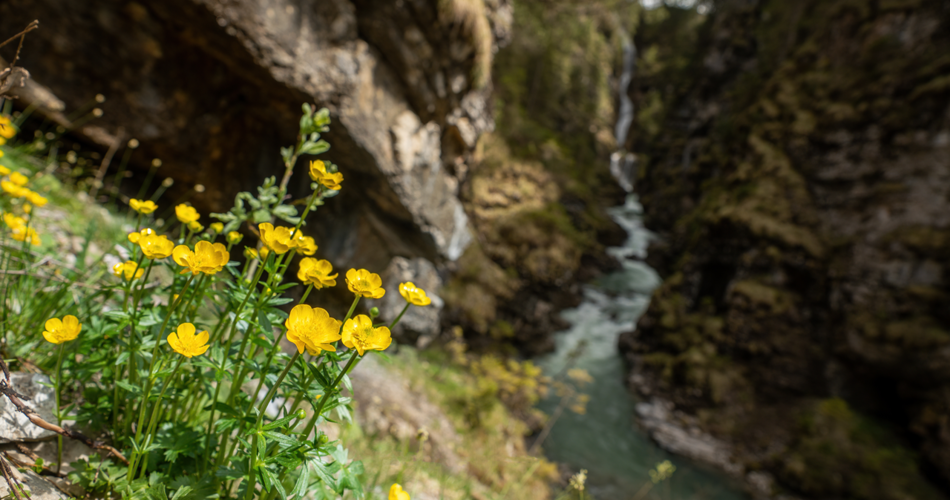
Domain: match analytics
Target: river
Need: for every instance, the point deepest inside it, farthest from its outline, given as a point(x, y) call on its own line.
point(606, 440)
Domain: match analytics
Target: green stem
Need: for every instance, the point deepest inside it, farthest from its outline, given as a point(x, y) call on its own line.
point(326, 397)
point(395, 321)
point(59, 417)
point(303, 300)
point(151, 367)
point(153, 420)
point(252, 453)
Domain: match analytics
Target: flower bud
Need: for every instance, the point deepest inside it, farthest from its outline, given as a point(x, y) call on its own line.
point(374, 312)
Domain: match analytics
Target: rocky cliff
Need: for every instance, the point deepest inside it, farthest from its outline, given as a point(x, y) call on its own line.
point(795, 159)
point(213, 89)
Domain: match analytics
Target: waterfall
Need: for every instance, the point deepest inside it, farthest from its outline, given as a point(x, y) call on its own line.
point(623, 165)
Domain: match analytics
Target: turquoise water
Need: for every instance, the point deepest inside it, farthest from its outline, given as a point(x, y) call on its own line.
point(606, 441)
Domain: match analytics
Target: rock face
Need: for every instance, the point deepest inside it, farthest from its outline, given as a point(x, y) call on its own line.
point(801, 184)
point(15, 426)
point(214, 87)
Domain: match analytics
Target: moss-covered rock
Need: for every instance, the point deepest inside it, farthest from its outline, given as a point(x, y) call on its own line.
point(795, 166)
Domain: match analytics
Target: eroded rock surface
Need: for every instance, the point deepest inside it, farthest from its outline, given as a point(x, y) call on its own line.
point(214, 88)
point(15, 426)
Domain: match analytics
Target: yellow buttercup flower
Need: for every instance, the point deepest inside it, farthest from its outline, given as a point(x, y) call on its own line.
point(316, 272)
point(360, 334)
point(207, 258)
point(319, 174)
point(129, 269)
point(24, 234)
point(276, 238)
point(365, 283)
point(186, 343)
point(143, 207)
point(135, 237)
point(27, 208)
point(217, 227)
point(59, 331)
point(265, 252)
point(3, 170)
point(156, 246)
point(397, 493)
point(36, 199)
point(13, 189)
point(195, 226)
point(414, 295)
point(250, 253)
point(19, 179)
point(186, 213)
point(13, 222)
point(235, 237)
point(7, 130)
point(312, 329)
point(304, 244)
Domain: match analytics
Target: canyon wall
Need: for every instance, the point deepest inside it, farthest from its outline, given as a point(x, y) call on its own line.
point(794, 158)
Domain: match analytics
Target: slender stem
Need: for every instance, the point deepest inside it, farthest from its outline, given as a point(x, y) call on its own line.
point(252, 453)
point(151, 368)
point(59, 418)
point(326, 397)
point(306, 293)
point(153, 420)
point(395, 321)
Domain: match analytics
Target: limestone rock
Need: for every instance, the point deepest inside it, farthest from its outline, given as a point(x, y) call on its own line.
point(214, 88)
point(39, 487)
point(14, 426)
point(381, 406)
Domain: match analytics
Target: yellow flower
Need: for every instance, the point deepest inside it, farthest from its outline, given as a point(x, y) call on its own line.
point(156, 246)
point(277, 239)
point(195, 226)
point(318, 172)
point(129, 269)
point(413, 295)
point(27, 208)
point(235, 237)
point(36, 199)
point(397, 493)
point(13, 222)
point(365, 283)
point(59, 331)
point(208, 258)
point(19, 179)
point(3, 170)
point(360, 334)
point(304, 244)
point(316, 272)
point(217, 227)
point(13, 189)
point(135, 237)
point(25, 233)
point(7, 130)
point(143, 207)
point(250, 253)
point(312, 329)
point(186, 343)
point(265, 252)
point(186, 213)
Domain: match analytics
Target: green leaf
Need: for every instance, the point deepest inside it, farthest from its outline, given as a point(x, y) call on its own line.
point(182, 492)
point(265, 322)
point(134, 390)
point(303, 482)
point(320, 468)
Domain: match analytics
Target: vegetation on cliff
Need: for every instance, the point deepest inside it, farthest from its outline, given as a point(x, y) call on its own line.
point(791, 158)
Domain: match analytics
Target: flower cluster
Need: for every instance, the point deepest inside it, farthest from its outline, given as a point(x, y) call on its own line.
point(182, 335)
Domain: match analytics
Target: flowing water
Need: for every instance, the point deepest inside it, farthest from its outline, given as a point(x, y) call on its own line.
point(606, 441)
